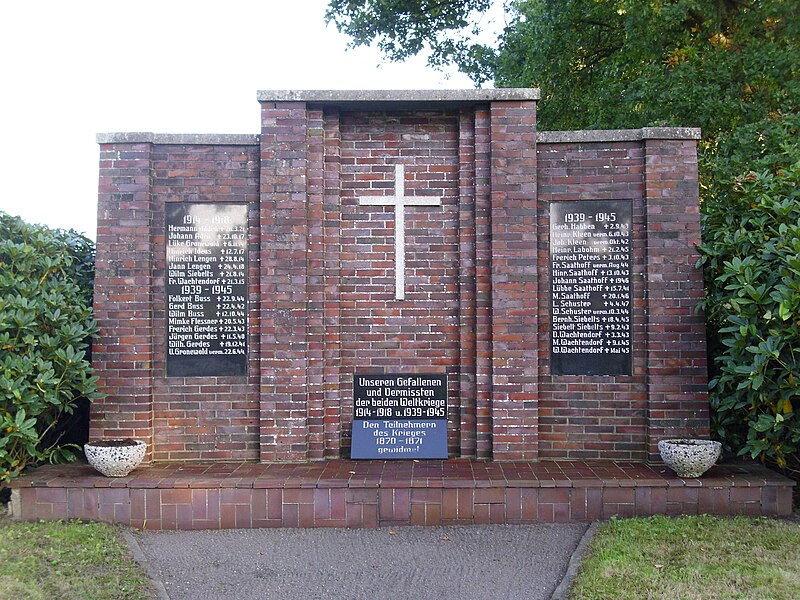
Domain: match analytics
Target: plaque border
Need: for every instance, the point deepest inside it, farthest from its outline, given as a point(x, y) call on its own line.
point(625, 369)
point(214, 359)
point(443, 443)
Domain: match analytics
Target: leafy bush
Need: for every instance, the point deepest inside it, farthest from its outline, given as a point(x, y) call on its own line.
point(45, 328)
point(751, 258)
point(769, 144)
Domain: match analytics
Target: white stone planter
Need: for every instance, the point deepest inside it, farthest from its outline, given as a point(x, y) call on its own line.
point(115, 458)
point(689, 457)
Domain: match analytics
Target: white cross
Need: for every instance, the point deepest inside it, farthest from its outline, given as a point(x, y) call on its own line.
point(399, 201)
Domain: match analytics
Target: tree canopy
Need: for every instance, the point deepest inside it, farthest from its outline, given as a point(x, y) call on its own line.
point(404, 28)
point(608, 63)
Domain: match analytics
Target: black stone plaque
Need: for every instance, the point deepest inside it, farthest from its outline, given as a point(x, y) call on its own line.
point(591, 292)
point(206, 285)
point(397, 416)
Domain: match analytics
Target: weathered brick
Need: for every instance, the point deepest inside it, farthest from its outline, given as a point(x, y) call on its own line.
point(322, 286)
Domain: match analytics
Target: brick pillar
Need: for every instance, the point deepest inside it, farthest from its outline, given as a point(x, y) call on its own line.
point(483, 285)
point(514, 281)
point(334, 376)
point(316, 285)
point(284, 283)
point(122, 355)
point(676, 343)
point(466, 284)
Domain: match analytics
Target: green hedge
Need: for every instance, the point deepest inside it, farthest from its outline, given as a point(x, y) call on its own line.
point(751, 259)
point(45, 328)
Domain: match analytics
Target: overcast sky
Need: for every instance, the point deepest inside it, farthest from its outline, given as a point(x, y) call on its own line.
point(75, 69)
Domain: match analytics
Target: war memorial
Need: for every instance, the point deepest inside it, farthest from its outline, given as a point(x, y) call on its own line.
point(398, 307)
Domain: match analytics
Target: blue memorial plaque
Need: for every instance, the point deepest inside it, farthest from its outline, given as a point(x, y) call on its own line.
point(399, 416)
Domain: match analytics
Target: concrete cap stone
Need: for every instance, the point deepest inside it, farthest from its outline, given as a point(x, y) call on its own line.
point(618, 135)
point(552, 137)
point(359, 97)
point(183, 139)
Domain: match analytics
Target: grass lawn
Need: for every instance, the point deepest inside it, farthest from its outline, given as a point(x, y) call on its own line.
point(692, 557)
point(68, 561)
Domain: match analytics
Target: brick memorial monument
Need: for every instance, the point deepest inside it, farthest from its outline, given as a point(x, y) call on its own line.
point(398, 276)
point(400, 233)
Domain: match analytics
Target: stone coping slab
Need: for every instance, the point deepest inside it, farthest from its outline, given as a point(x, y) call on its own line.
point(179, 139)
point(618, 135)
point(466, 96)
point(542, 137)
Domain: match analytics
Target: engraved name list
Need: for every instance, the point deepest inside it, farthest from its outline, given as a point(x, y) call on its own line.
point(206, 287)
point(590, 268)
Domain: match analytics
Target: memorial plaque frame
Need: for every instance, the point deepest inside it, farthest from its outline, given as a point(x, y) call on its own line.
point(399, 416)
point(206, 286)
point(591, 287)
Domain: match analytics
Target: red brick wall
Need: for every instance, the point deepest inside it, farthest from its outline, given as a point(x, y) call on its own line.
point(515, 294)
point(584, 417)
point(182, 418)
point(623, 417)
point(377, 332)
point(321, 275)
point(122, 356)
point(345, 318)
point(284, 344)
point(676, 344)
point(204, 418)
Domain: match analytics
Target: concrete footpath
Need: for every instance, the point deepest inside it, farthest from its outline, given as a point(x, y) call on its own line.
point(460, 563)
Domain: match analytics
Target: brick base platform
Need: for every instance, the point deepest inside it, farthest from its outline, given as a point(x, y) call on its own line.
point(376, 493)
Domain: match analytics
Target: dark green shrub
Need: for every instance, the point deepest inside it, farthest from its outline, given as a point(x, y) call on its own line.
point(751, 259)
point(45, 328)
